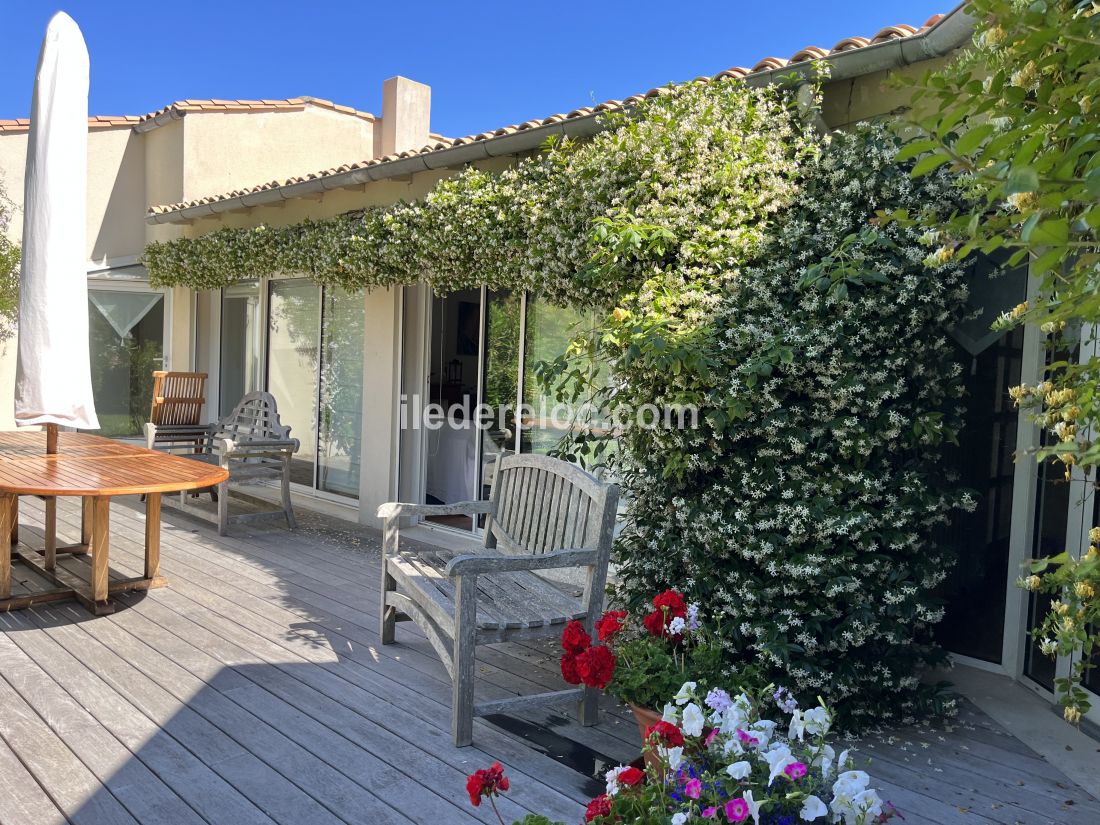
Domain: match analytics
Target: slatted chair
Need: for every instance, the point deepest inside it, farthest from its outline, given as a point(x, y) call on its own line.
point(178, 398)
point(542, 514)
point(251, 442)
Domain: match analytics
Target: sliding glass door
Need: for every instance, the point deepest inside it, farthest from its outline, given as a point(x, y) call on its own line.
point(315, 372)
point(482, 350)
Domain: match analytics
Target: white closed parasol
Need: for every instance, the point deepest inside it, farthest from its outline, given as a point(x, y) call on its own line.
point(53, 384)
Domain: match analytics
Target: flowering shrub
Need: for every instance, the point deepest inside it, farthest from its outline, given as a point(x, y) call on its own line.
point(800, 512)
point(643, 662)
point(721, 760)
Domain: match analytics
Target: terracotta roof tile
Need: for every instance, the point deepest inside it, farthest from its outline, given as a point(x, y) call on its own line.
point(183, 107)
point(440, 143)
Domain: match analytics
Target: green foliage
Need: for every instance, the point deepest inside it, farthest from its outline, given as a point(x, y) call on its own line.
point(9, 271)
point(1017, 119)
point(536, 819)
point(647, 671)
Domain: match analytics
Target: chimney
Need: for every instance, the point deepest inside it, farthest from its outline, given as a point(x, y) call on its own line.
point(406, 107)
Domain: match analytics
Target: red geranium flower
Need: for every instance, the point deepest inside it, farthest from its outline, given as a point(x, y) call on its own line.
point(630, 777)
point(486, 782)
point(655, 623)
point(672, 604)
point(575, 639)
point(600, 806)
point(569, 669)
point(595, 666)
point(667, 734)
point(609, 624)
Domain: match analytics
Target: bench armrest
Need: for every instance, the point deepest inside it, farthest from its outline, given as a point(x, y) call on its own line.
point(228, 445)
point(474, 564)
point(397, 509)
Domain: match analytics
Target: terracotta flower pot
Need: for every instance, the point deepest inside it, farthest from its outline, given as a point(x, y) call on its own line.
point(647, 718)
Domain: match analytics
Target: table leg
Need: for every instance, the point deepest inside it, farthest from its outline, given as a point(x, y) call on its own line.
point(51, 533)
point(101, 525)
point(15, 520)
point(86, 522)
point(6, 510)
point(152, 535)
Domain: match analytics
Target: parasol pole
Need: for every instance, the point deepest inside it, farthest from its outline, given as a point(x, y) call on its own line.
point(51, 439)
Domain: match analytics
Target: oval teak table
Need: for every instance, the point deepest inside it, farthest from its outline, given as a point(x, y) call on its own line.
point(95, 469)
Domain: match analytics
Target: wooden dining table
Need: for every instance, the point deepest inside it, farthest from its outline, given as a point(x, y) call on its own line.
point(94, 469)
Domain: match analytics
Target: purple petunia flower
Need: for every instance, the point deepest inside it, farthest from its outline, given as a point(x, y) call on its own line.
point(718, 700)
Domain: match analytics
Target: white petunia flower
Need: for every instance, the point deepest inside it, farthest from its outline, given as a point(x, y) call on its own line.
point(739, 770)
point(812, 808)
point(685, 694)
point(693, 720)
point(754, 806)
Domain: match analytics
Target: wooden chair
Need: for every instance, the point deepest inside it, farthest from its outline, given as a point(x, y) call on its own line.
point(542, 514)
point(251, 442)
point(178, 398)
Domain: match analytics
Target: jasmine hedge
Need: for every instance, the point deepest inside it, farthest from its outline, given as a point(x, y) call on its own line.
point(735, 263)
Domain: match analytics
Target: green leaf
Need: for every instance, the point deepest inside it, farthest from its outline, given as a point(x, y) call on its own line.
point(926, 165)
point(914, 148)
point(972, 139)
point(1021, 179)
point(1053, 232)
point(1092, 182)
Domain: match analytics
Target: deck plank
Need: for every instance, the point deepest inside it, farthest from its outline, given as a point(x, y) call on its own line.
point(22, 799)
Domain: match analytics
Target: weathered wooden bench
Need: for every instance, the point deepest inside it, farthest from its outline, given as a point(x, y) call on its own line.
point(542, 514)
point(251, 442)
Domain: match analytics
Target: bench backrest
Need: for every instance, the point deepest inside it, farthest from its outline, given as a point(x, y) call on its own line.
point(178, 398)
point(256, 417)
point(544, 504)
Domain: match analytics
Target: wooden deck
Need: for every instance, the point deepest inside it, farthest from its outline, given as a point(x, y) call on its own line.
point(252, 690)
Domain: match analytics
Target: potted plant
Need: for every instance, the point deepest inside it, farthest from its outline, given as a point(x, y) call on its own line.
point(644, 660)
point(718, 758)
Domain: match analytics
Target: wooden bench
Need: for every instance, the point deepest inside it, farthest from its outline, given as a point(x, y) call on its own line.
point(542, 514)
point(251, 443)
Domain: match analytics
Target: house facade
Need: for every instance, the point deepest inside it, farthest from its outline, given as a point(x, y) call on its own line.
point(352, 372)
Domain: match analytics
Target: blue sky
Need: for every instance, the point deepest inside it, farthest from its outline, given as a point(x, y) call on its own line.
point(488, 63)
